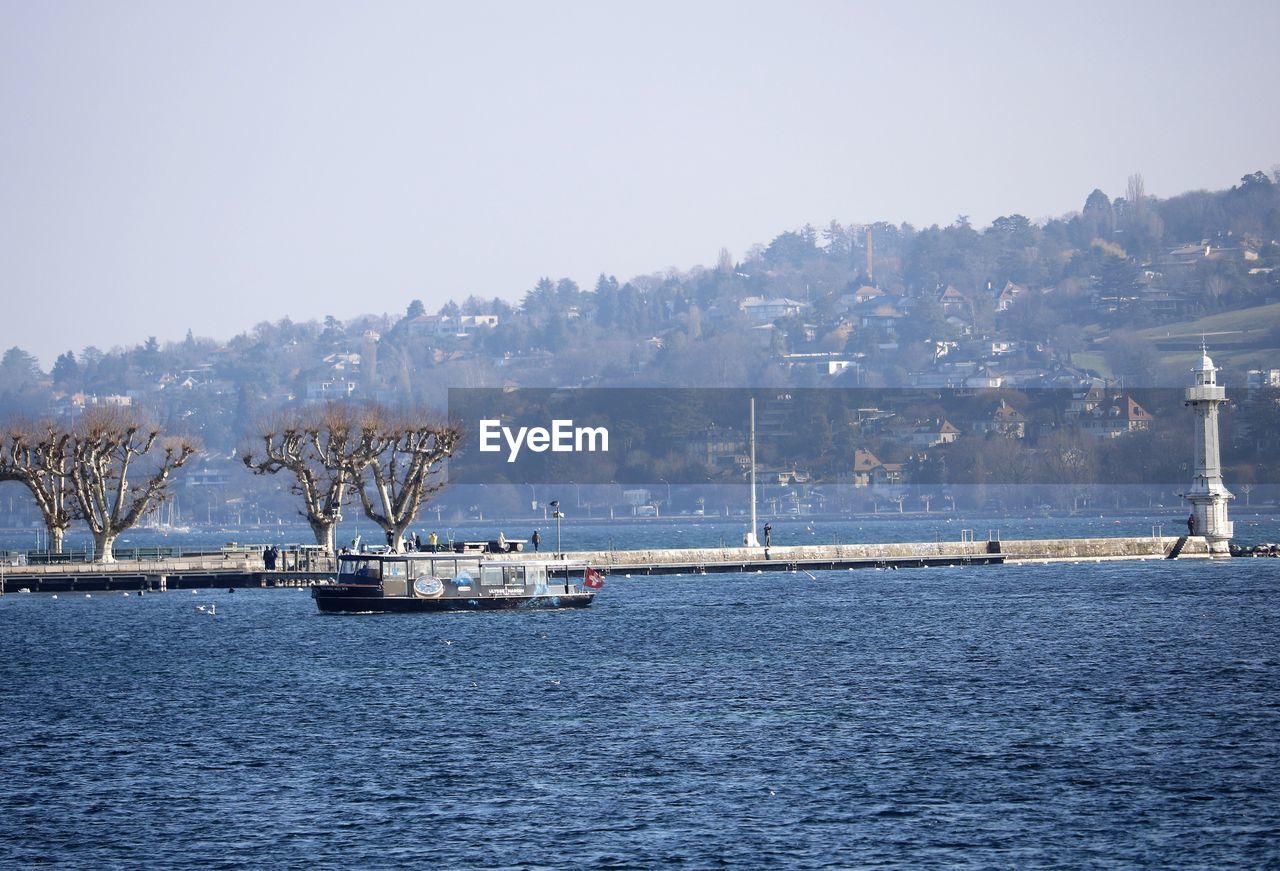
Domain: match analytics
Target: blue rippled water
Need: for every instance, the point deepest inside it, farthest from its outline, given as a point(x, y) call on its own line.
point(1068, 715)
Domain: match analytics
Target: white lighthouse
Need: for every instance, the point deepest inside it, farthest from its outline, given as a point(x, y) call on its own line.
point(1208, 496)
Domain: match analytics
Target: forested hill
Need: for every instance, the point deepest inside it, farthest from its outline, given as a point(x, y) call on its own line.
point(1119, 291)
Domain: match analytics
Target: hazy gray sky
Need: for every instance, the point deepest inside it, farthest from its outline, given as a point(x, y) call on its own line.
point(215, 165)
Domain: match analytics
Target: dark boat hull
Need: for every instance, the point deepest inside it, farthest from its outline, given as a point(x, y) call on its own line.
point(336, 600)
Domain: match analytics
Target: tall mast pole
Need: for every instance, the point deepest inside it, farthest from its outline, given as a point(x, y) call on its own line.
point(750, 540)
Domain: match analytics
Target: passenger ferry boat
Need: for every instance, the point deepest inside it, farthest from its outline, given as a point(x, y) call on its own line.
point(391, 582)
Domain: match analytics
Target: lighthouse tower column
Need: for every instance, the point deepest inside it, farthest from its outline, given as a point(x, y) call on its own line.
point(1208, 496)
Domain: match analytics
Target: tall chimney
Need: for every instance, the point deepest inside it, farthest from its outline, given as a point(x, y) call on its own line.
point(871, 268)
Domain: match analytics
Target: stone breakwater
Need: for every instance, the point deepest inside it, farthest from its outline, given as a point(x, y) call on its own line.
point(245, 569)
point(1268, 549)
point(662, 561)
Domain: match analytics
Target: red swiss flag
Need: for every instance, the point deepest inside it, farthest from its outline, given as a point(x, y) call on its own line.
point(593, 579)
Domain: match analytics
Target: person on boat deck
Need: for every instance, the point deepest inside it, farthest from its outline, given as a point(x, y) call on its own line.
point(433, 540)
point(536, 538)
point(502, 542)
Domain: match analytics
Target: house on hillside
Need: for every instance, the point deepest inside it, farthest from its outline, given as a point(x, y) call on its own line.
point(823, 362)
point(1084, 402)
point(984, 378)
point(1008, 295)
point(345, 361)
point(468, 324)
point(1259, 379)
point(720, 448)
point(1114, 416)
point(1187, 255)
point(765, 311)
point(1005, 421)
point(932, 433)
point(866, 293)
point(330, 389)
point(1157, 300)
point(883, 315)
point(868, 471)
point(429, 326)
point(953, 302)
point(863, 462)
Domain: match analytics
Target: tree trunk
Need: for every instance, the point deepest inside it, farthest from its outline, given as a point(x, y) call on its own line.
point(325, 532)
point(104, 547)
point(56, 535)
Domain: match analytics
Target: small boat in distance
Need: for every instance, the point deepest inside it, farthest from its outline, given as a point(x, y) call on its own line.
point(408, 582)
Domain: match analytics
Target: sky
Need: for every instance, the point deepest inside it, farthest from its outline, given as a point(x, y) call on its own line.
point(207, 166)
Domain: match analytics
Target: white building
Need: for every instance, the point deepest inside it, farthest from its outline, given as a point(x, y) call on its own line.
point(1208, 496)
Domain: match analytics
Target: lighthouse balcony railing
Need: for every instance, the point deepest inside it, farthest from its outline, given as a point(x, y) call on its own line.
point(1206, 393)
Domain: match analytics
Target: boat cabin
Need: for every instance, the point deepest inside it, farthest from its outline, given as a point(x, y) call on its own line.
point(430, 574)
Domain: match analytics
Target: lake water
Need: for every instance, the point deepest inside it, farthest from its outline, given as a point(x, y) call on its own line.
point(1069, 715)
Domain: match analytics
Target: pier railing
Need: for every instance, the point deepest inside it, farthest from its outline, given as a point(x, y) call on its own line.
point(305, 558)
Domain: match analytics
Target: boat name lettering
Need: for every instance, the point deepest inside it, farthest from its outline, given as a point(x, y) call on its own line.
point(562, 437)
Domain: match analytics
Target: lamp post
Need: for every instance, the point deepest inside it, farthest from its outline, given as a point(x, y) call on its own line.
point(555, 512)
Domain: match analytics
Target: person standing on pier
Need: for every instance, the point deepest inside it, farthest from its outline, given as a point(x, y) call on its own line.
point(1191, 524)
point(768, 534)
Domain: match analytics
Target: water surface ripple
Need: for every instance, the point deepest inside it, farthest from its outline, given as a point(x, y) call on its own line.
point(1068, 716)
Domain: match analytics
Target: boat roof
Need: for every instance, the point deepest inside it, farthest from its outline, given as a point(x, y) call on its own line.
point(492, 559)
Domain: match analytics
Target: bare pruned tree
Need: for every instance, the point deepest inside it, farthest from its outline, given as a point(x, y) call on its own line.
point(38, 456)
point(105, 447)
point(399, 479)
point(325, 450)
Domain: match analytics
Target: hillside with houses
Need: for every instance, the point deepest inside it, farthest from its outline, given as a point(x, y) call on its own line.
point(1092, 306)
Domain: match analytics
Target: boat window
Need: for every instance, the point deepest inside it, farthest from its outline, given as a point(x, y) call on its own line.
point(393, 570)
point(515, 574)
point(536, 574)
point(359, 568)
point(442, 568)
point(468, 568)
point(491, 576)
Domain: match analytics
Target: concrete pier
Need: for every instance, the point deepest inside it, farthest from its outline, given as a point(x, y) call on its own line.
point(247, 571)
point(901, 555)
point(234, 570)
